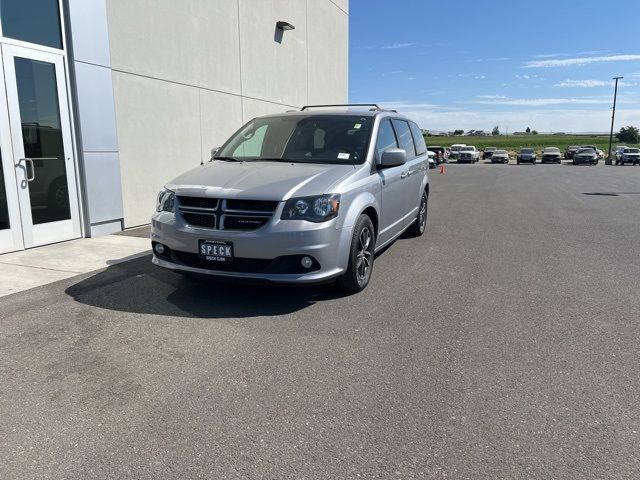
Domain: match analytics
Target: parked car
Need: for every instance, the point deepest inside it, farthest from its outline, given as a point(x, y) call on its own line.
point(585, 155)
point(455, 150)
point(551, 155)
point(432, 159)
point(600, 154)
point(570, 151)
point(488, 152)
point(441, 154)
point(527, 155)
point(300, 197)
point(629, 155)
point(617, 152)
point(500, 156)
point(468, 154)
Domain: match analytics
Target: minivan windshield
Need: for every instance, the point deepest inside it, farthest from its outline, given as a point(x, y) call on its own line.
point(339, 139)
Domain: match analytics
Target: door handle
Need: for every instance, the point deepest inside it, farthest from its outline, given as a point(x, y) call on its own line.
point(26, 168)
point(33, 170)
point(404, 175)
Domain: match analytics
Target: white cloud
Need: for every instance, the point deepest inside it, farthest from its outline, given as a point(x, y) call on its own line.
point(541, 102)
point(568, 62)
point(475, 76)
point(492, 97)
point(550, 55)
point(398, 45)
point(591, 83)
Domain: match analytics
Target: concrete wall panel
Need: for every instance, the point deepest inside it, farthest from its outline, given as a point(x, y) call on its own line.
point(194, 42)
point(254, 108)
point(328, 53)
point(159, 138)
point(271, 70)
point(220, 116)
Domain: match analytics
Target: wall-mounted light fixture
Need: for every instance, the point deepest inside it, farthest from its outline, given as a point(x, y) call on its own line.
point(284, 26)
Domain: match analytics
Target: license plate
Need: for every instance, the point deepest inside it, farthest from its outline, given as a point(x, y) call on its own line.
point(216, 251)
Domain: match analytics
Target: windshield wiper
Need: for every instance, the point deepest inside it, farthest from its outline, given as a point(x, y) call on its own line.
point(275, 159)
point(227, 159)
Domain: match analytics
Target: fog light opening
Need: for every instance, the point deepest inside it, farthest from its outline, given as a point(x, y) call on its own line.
point(159, 248)
point(306, 262)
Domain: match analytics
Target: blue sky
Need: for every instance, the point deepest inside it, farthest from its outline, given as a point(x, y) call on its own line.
point(470, 64)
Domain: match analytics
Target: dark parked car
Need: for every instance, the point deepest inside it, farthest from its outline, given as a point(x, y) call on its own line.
point(551, 155)
point(569, 152)
point(488, 152)
point(629, 155)
point(585, 155)
point(526, 155)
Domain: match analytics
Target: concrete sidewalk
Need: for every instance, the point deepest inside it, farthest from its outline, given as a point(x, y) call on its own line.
point(26, 269)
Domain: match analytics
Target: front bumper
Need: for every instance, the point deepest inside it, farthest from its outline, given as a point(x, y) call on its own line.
point(257, 253)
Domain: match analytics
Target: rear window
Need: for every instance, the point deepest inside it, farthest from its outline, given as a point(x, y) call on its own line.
point(526, 150)
point(418, 139)
point(404, 137)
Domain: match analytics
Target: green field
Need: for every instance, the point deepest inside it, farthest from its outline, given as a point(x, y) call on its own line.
point(515, 142)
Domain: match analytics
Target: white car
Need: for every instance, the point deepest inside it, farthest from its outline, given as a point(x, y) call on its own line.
point(468, 154)
point(432, 159)
point(455, 150)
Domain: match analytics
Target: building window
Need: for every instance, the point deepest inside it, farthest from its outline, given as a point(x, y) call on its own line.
point(34, 21)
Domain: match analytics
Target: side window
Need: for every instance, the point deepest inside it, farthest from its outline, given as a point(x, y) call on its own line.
point(386, 138)
point(251, 145)
point(418, 139)
point(404, 137)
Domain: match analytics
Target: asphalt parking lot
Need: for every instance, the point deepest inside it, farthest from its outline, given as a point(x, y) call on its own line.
point(502, 344)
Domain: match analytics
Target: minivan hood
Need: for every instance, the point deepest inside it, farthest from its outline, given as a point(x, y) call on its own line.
point(259, 180)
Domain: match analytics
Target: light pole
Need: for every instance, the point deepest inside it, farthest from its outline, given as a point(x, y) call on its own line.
point(613, 117)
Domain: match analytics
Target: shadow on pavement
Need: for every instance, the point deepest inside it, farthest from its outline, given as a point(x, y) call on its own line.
point(137, 286)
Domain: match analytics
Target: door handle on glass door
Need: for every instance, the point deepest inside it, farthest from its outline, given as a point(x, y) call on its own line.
point(26, 168)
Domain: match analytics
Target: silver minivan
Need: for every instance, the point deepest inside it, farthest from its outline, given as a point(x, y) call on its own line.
point(301, 197)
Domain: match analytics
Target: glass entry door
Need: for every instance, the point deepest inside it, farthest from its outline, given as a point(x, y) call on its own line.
point(43, 166)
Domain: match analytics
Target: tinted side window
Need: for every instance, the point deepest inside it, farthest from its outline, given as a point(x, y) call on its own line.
point(386, 138)
point(404, 137)
point(418, 139)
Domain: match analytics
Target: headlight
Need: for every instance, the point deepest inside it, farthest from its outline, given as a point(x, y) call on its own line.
point(313, 209)
point(166, 201)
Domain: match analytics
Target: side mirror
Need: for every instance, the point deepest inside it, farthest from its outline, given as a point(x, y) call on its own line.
point(214, 151)
point(393, 157)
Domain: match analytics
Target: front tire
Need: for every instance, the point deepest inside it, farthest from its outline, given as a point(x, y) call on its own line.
point(419, 225)
point(360, 266)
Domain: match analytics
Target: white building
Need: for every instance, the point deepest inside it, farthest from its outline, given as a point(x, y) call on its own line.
point(105, 100)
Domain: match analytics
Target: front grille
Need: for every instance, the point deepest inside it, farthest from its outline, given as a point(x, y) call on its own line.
point(198, 202)
point(200, 219)
point(251, 205)
point(225, 214)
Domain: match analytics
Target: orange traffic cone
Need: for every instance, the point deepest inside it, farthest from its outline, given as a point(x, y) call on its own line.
point(443, 170)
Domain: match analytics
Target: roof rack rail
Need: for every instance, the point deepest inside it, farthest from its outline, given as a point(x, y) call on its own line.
point(374, 105)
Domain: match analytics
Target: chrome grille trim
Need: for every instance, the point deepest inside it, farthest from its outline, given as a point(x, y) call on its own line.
point(255, 218)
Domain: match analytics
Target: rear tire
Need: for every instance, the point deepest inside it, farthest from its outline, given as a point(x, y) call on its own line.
point(361, 256)
point(419, 225)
